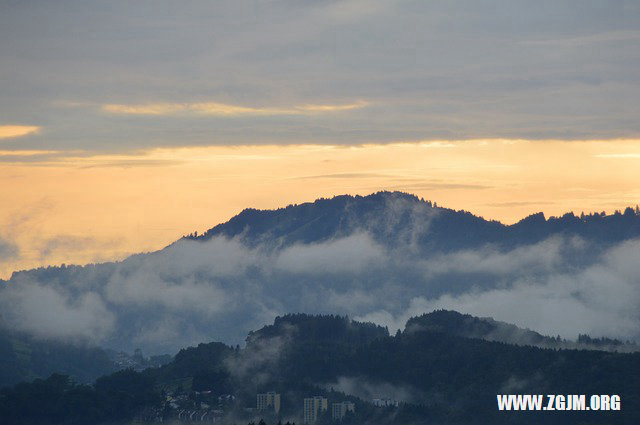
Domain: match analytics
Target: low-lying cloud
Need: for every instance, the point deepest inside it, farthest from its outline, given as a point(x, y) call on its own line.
point(195, 291)
point(49, 312)
point(600, 299)
point(346, 255)
point(366, 389)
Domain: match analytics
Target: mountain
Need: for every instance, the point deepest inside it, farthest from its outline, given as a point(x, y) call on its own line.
point(25, 358)
point(435, 377)
point(382, 258)
point(468, 326)
point(396, 218)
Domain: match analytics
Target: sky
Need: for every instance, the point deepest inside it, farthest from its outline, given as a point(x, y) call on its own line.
point(124, 125)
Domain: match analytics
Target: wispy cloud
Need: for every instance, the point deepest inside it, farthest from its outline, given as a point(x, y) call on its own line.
point(344, 176)
point(11, 131)
point(440, 185)
point(8, 249)
point(225, 110)
point(25, 153)
point(585, 40)
point(620, 155)
point(518, 203)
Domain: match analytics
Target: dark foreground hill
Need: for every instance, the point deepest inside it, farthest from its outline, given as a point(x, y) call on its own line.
point(436, 377)
point(25, 358)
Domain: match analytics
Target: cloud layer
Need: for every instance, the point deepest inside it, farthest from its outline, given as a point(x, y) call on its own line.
point(429, 70)
point(220, 289)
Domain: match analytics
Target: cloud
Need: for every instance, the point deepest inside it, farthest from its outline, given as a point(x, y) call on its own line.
point(25, 153)
point(434, 70)
point(518, 203)
point(633, 155)
point(71, 243)
point(146, 289)
point(587, 40)
point(129, 163)
point(249, 368)
point(368, 390)
point(598, 299)
point(224, 110)
point(12, 131)
point(344, 176)
point(8, 250)
point(49, 312)
point(525, 260)
point(345, 255)
point(219, 289)
point(437, 185)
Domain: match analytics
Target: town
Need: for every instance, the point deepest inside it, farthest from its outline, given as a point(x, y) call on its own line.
point(204, 407)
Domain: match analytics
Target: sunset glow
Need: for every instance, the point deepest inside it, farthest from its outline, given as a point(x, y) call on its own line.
point(10, 131)
point(81, 208)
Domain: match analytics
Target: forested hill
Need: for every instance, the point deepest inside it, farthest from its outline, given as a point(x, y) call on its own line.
point(25, 358)
point(317, 329)
point(385, 256)
point(398, 218)
point(436, 378)
point(468, 326)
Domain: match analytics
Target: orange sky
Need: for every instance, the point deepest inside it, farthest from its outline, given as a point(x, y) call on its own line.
point(77, 208)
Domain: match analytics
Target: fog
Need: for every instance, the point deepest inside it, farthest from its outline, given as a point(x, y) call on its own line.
point(195, 291)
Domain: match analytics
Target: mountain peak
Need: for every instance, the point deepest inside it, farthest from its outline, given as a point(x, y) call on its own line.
point(326, 218)
point(394, 218)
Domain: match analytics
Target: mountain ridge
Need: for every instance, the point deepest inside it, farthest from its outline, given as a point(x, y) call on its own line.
point(251, 223)
point(382, 257)
point(537, 223)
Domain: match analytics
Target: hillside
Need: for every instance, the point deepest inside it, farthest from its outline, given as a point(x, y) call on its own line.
point(436, 378)
point(25, 358)
point(399, 218)
point(467, 326)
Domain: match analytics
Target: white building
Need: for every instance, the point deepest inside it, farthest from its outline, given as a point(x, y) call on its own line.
point(384, 402)
point(314, 406)
point(338, 410)
point(268, 401)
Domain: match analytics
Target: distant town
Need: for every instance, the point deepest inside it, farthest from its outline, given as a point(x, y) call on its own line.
point(198, 407)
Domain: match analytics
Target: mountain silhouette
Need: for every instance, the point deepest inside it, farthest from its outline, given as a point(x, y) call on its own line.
point(397, 217)
point(382, 257)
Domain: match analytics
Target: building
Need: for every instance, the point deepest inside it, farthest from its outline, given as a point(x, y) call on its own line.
point(313, 407)
point(338, 410)
point(268, 401)
point(384, 402)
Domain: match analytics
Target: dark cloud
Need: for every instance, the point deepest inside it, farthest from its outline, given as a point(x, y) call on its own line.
point(427, 70)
